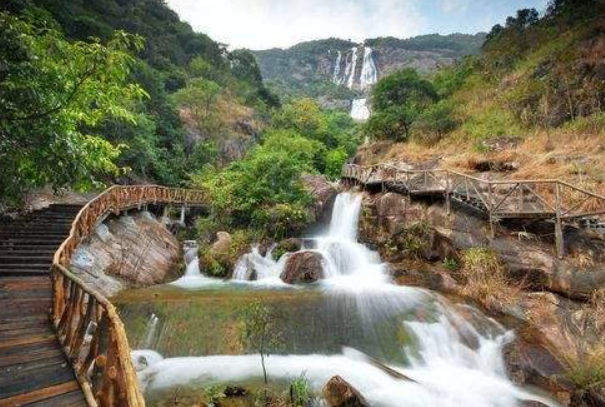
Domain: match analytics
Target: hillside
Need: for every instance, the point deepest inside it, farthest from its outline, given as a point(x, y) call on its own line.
point(532, 101)
point(337, 71)
point(163, 132)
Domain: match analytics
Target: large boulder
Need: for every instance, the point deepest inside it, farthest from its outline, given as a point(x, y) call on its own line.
point(339, 393)
point(303, 267)
point(128, 251)
point(323, 193)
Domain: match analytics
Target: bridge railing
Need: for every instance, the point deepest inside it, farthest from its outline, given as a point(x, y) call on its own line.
point(87, 324)
point(499, 199)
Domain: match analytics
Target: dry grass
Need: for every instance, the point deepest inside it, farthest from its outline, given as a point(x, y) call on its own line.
point(485, 277)
point(586, 370)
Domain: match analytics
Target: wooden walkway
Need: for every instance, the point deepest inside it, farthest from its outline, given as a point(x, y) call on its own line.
point(548, 200)
point(34, 370)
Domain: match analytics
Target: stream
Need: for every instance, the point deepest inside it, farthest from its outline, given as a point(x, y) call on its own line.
point(355, 323)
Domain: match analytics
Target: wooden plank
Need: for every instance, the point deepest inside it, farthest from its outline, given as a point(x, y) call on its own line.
point(16, 358)
point(40, 394)
point(41, 378)
point(73, 399)
point(27, 341)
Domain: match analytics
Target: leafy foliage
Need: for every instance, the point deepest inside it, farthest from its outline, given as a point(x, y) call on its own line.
point(397, 101)
point(52, 95)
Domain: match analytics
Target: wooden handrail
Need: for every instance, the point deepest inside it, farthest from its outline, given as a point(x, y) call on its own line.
point(87, 324)
point(551, 199)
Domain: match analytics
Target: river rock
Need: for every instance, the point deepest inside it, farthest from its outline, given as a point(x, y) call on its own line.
point(303, 267)
point(339, 393)
point(222, 245)
point(323, 193)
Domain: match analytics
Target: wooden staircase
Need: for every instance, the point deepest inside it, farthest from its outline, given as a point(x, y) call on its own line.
point(33, 368)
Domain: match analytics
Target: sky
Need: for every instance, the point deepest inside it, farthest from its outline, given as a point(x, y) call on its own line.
point(262, 24)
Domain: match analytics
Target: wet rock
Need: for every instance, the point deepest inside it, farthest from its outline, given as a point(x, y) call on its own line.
point(290, 245)
point(222, 245)
point(323, 193)
point(339, 393)
point(303, 267)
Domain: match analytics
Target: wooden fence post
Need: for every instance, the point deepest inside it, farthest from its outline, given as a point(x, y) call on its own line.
point(559, 238)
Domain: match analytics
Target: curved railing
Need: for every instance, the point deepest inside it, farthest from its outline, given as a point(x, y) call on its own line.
point(87, 324)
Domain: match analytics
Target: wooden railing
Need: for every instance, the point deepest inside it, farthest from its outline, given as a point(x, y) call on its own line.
point(499, 199)
point(87, 324)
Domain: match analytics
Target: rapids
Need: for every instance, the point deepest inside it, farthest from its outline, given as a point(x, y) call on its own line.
point(355, 323)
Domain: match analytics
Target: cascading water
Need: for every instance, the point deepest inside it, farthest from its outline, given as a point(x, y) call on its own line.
point(369, 73)
point(360, 110)
point(193, 277)
point(351, 70)
point(336, 75)
point(446, 354)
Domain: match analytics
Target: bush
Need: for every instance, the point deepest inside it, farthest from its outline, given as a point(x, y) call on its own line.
point(300, 391)
point(434, 123)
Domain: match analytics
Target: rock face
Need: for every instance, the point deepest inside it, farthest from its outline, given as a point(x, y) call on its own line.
point(222, 245)
point(303, 267)
point(128, 251)
point(323, 192)
point(339, 393)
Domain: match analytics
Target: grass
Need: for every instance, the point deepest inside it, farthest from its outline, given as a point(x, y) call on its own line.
point(485, 277)
point(587, 370)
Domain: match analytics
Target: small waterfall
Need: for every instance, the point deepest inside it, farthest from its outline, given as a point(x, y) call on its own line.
point(150, 331)
point(360, 110)
point(193, 277)
point(336, 75)
point(369, 73)
point(351, 70)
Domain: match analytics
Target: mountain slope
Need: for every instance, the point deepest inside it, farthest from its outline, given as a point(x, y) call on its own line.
point(334, 71)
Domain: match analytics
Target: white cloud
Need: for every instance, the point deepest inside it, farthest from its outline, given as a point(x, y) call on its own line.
point(454, 6)
point(259, 24)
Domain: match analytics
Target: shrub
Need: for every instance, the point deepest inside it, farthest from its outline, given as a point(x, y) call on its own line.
point(434, 123)
point(451, 265)
point(300, 391)
point(213, 395)
point(587, 371)
point(412, 241)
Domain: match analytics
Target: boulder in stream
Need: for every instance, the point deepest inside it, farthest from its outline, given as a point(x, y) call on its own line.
point(339, 393)
point(303, 267)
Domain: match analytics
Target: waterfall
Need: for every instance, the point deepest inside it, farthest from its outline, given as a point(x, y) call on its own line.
point(369, 73)
point(336, 75)
point(453, 358)
point(351, 70)
point(150, 331)
point(193, 277)
point(360, 110)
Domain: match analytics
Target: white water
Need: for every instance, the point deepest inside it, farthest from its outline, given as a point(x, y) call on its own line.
point(336, 75)
point(360, 110)
point(369, 73)
point(453, 360)
point(193, 277)
point(152, 327)
point(351, 70)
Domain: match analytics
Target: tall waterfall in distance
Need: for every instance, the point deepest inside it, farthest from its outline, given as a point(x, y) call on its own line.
point(369, 73)
point(352, 68)
point(356, 79)
point(336, 75)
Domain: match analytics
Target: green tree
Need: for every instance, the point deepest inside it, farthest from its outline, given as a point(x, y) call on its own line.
point(53, 93)
point(397, 101)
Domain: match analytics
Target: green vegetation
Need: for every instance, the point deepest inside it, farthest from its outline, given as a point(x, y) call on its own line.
point(397, 101)
point(264, 191)
point(52, 94)
point(300, 391)
point(485, 277)
point(534, 73)
point(93, 91)
point(213, 395)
